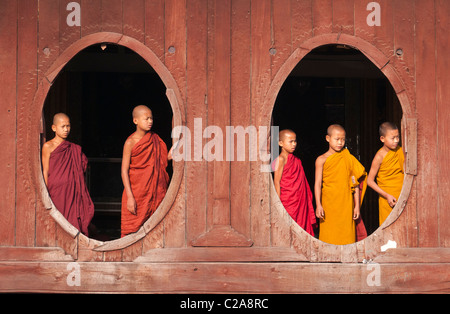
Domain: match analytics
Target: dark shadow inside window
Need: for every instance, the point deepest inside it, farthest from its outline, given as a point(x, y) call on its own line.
point(337, 84)
point(98, 89)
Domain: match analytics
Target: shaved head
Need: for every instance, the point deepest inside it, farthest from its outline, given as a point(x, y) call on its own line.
point(284, 132)
point(385, 127)
point(333, 128)
point(59, 116)
point(138, 110)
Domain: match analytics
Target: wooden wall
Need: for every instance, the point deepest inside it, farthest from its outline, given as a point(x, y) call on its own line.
point(224, 61)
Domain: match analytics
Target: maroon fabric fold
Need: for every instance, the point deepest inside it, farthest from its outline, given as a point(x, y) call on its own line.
point(67, 187)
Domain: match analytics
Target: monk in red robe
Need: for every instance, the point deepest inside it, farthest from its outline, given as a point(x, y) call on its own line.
point(291, 184)
point(64, 165)
point(144, 175)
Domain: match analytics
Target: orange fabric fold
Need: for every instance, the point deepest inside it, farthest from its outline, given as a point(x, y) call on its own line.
point(390, 179)
point(148, 179)
point(342, 172)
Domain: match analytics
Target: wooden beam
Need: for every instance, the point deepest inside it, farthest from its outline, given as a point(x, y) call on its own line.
point(228, 254)
point(237, 277)
point(414, 255)
point(28, 254)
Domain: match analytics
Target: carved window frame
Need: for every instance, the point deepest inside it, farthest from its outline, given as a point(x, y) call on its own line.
point(392, 67)
point(174, 96)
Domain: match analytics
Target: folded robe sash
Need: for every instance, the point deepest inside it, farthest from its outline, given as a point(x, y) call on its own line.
point(390, 179)
point(342, 172)
point(296, 196)
point(66, 185)
point(148, 179)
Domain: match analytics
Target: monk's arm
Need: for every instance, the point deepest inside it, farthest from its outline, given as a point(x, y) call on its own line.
point(279, 166)
point(372, 174)
point(357, 209)
point(169, 154)
point(45, 161)
point(371, 180)
point(318, 187)
point(131, 203)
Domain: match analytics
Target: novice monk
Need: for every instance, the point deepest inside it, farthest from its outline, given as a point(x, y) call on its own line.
point(63, 167)
point(144, 173)
point(337, 191)
point(291, 184)
point(387, 166)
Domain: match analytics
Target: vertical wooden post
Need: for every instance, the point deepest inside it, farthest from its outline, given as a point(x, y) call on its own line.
point(221, 233)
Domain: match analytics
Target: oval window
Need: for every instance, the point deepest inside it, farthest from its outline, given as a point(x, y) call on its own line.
point(337, 84)
point(98, 89)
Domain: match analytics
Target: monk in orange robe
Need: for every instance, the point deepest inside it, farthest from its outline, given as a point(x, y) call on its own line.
point(144, 175)
point(63, 167)
point(291, 184)
point(387, 166)
point(339, 180)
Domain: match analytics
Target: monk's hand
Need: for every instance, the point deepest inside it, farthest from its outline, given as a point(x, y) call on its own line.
point(320, 212)
point(131, 205)
point(356, 213)
point(391, 200)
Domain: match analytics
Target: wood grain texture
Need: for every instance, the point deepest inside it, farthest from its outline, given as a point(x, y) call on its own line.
point(224, 62)
point(442, 8)
point(8, 83)
point(233, 277)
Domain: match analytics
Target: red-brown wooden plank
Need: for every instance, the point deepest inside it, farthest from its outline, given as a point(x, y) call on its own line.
point(134, 19)
point(227, 277)
point(281, 32)
point(49, 11)
point(26, 87)
point(260, 82)
point(154, 26)
point(443, 112)
point(240, 112)
point(221, 104)
point(8, 79)
point(282, 42)
point(68, 34)
point(49, 23)
point(196, 89)
point(111, 14)
point(210, 99)
point(322, 16)
point(380, 36)
point(403, 38)
point(175, 61)
point(343, 16)
point(427, 202)
point(175, 37)
point(403, 12)
point(91, 17)
point(301, 20)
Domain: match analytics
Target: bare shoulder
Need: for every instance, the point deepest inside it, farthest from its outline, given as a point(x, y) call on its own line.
point(49, 147)
point(282, 159)
point(131, 141)
point(379, 156)
point(280, 162)
point(321, 159)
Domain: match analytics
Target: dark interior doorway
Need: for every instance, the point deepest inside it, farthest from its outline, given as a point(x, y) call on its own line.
point(337, 84)
point(98, 89)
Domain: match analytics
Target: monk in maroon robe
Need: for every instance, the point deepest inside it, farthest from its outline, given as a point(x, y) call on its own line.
point(291, 184)
point(64, 165)
point(144, 175)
